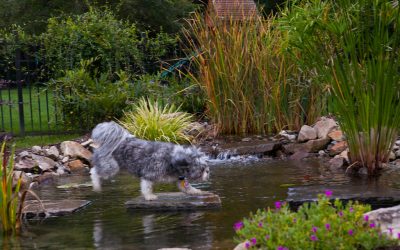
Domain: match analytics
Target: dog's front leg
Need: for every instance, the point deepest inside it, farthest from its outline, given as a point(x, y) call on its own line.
point(146, 187)
point(186, 188)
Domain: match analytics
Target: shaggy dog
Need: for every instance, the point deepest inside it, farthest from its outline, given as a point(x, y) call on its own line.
point(148, 160)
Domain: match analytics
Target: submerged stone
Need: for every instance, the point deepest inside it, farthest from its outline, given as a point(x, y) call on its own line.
point(49, 208)
point(176, 201)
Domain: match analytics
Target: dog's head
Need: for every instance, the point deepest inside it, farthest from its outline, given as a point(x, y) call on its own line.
point(190, 163)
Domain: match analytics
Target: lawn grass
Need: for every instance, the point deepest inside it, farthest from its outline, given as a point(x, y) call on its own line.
point(29, 141)
point(40, 112)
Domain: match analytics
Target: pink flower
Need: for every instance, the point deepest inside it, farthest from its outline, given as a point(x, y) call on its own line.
point(282, 248)
point(267, 237)
point(328, 193)
point(313, 237)
point(351, 209)
point(238, 225)
point(390, 230)
point(260, 224)
point(278, 204)
point(247, 245)
point(314, 229)
point(328, 226)
point(398, 236)
point(351, 232)
point(366, 218)
point(253, 241)
point(372, 225)
point(340, 213)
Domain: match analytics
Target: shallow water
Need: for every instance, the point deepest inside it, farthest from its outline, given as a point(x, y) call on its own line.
point(243, 188)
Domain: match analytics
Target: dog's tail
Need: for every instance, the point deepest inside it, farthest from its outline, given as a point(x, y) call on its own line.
point(108, 135)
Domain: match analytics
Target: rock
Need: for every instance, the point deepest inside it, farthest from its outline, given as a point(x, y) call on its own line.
point(388, 220)
point(65, 159)
point(45, 178)
point(36, 149)
point(345, 155)
point(306, 133)
point(395, 147)
point(397, 154)
point(337, 162)
point(246, 139)
point(28, 165)
point(321, 153)
point(241, 246)
point(76, 165)
point(75, 150)
point(397, 142)
point(336, 135)
point(174, 248)
point(246, 148)
point(25, 180)
point(48, 208)
point(392, 156)
point(195, 129)
point(288, 135)
point(23, 154)
point(176, 201)
point(311, 146)
point(52, 153)
point(45, 163)
point(324, 126)
point(338, 148)
point(87, 143)
point(299, 156)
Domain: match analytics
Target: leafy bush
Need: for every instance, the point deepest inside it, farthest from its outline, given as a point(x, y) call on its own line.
point(149, 121)
point(183, 93)
point(87, 97)
point(319, 225)
point(116, 45)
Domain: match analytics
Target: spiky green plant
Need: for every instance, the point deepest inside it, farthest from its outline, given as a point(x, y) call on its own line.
point(149, 121)
point(252, 85)
point(360, 61)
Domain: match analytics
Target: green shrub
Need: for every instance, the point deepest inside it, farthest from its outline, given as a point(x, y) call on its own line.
point(318, 225)
point(87, 98)
point(183, 93)
point(116, 45)
point(149, 121)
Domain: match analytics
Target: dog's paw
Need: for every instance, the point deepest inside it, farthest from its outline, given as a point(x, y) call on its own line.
point(150, 197)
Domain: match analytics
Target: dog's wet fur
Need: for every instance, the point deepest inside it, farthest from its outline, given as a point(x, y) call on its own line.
point(150, 161)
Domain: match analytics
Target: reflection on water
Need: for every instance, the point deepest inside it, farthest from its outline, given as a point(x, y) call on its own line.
point(243, 188)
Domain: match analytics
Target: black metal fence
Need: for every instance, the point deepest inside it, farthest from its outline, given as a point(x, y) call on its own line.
point(27, 105)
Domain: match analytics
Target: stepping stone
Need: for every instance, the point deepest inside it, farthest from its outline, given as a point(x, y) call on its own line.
point(176, 201)
point(33, 208)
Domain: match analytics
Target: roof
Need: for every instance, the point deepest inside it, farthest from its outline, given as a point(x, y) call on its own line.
point(235, 9)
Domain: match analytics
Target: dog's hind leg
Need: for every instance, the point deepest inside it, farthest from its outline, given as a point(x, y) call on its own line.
point(186, 188)
point(146, 187)
point(95, 180)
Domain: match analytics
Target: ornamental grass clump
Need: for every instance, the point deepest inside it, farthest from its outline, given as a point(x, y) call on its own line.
point(318, 225)
point(252, 84)
point(150, 121)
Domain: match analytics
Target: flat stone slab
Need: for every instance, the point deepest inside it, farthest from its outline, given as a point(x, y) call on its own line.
point(388, 220)
point(176, 201)
point(34, 208)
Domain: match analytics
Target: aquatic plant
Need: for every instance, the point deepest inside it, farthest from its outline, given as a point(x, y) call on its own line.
point(149, 121)
point(251, 83)
point(353, 47)
point(318, 225)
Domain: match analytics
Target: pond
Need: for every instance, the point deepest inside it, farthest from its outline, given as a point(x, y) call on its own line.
point(243, 187)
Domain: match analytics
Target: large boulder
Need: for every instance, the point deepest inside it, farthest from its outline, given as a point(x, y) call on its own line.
point(338, 148)
point(306, 133)
point(27, 165)
point(75, 150)
point(324, 126)
point(52, 153)
point(388, 220)
point(45, 163)
point(312, 146)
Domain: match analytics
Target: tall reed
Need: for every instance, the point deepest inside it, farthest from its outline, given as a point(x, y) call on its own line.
point(251, 84)
point(362, 67)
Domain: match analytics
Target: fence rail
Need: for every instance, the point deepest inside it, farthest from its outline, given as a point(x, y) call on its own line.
point(27, 105)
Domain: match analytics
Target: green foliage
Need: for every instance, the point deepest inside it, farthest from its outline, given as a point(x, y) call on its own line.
point(149, 121)
point(251, 82)
point(86, 96)
point(318, 225)
point(353, 46)
point(116, 45)
point(183, 93)
point(10, 222)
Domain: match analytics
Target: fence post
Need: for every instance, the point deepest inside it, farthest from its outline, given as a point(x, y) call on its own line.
point(20, 90)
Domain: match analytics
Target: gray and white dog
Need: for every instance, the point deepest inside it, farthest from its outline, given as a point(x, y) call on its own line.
point(150, 161)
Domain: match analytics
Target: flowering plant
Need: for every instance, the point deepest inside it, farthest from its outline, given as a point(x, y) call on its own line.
point(317, 225)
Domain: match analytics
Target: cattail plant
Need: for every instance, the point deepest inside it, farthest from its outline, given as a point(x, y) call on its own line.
point(251, 84)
